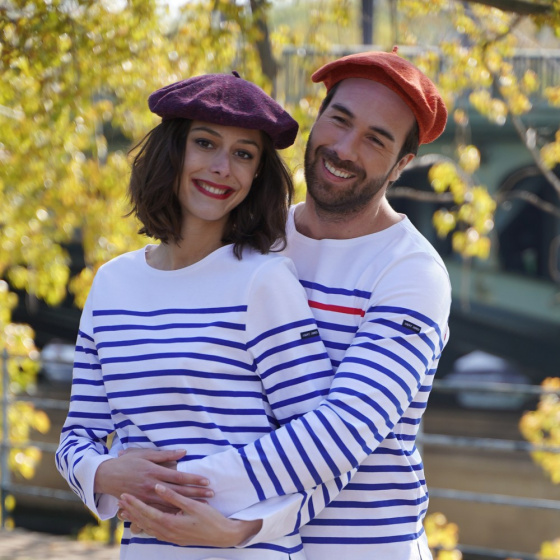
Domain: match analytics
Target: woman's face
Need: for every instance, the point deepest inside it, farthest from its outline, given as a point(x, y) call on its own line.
point(219, 168)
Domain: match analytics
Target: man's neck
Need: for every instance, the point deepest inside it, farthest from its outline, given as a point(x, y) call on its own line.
point(316, 224)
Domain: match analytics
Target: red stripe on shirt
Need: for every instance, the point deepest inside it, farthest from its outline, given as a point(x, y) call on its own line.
point(337, 308)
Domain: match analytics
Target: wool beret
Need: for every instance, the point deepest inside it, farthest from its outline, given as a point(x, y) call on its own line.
point(226, 100)
point(399, 75)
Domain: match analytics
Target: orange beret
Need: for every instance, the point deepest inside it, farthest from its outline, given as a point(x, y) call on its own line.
point(399, 75)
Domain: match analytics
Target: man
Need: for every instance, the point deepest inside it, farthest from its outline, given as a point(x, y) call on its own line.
point(381, 298)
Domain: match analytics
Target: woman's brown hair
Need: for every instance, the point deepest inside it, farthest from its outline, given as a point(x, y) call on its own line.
point(258, 222)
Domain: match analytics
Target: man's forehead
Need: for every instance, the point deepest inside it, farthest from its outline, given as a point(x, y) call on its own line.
point(367, 99)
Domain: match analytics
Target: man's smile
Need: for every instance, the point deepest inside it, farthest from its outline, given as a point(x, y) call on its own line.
point(336, 171)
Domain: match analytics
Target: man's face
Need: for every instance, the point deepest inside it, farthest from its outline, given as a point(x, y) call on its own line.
point(352, 151)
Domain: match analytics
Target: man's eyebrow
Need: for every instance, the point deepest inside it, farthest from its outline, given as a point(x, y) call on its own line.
point(382, 131)
point(218, 135)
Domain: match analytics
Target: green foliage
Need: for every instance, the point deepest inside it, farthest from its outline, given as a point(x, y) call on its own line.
point(101, 531)
point(18, 371)
point(542, 427)
point(442, 537)
point(476, 48)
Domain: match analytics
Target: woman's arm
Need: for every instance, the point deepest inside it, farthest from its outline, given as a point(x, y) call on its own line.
point(83, 458)
point(83, 441)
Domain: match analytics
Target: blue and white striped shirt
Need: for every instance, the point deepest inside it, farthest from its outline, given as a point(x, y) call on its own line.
point(207, 358)
point(382, 304)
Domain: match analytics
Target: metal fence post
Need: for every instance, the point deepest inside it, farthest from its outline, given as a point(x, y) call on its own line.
point(5, 443)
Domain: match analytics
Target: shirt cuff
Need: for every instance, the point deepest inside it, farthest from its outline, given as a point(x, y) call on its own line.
point(278, 515)
point(103, 506)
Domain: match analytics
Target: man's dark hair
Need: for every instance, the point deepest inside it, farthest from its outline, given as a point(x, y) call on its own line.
point(411, 142)
point(259, 221)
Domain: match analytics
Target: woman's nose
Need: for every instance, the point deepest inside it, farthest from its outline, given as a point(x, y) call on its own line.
point(220, 164)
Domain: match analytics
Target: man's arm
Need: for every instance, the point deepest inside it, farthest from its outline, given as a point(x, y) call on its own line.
point(201, 525)
point(395, 349)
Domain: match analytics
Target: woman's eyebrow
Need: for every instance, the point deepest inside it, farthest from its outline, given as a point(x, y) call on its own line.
point(218, 135)
point(206, 129)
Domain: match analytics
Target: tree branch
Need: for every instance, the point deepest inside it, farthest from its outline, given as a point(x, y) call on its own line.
point(548, 173)
point(530, 198)
point(411, 193)
point(522, 7)
point(505, 194)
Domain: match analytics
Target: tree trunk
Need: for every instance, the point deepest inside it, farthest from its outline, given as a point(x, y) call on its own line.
point(268, 62)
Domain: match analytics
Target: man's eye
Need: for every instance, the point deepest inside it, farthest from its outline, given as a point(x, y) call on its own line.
point(375, 140)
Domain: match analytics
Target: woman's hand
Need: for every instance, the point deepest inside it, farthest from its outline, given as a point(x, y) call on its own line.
point(137, 471)
point(197, 524)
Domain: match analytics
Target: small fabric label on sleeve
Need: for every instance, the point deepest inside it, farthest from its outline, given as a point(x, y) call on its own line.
point(411, 326)
point(309, 334)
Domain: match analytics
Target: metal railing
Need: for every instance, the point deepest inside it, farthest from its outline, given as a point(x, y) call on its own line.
point(7, 486)
point(490, 444)
point(298, 63)
point(424, 439)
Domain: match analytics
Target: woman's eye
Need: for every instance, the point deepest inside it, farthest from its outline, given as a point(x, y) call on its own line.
point(203, 143)
point(244, 155)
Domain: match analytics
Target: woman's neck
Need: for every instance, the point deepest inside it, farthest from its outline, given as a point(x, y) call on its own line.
point(197, 243)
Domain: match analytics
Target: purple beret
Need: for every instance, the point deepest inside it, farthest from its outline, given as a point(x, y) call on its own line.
point(226, 100)
point(398, 74)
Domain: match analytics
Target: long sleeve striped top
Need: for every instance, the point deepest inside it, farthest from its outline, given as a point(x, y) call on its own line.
point(382, 304)
point(207, 358)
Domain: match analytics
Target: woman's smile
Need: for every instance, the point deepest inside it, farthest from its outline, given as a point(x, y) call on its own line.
point(212, 189)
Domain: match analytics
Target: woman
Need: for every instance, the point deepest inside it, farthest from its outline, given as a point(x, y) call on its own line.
point(190, 344)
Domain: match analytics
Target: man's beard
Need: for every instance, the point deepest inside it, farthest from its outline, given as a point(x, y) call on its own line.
point(339, 202)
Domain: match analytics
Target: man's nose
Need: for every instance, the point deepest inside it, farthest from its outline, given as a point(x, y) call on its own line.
point(346, 146)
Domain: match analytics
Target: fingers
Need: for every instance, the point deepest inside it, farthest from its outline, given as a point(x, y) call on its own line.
point(123, 516)
point(135, 529)
point(155, 455)
point(143, 517)
point(187, 480)
point(185, 504)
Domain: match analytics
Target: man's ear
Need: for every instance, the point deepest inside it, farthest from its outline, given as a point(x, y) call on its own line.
point(399, 167)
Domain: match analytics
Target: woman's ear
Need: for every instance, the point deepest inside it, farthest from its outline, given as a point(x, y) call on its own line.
point(260, 167)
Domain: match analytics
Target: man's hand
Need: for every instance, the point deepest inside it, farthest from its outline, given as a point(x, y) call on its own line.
point(137, 471)
point(197, 524)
